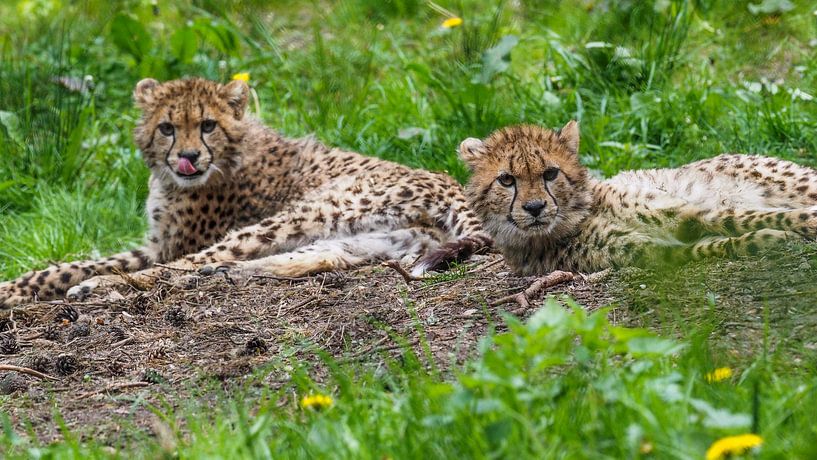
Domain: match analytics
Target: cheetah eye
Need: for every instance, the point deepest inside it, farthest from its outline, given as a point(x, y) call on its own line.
point(506, 180)
point(207, 126)
point(550, 174)
point(166, 129)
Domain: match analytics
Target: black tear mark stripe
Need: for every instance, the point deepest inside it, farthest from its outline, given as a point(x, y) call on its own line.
point(547, 189)
point(167, 154)
point(510, 209)
point(209, 150)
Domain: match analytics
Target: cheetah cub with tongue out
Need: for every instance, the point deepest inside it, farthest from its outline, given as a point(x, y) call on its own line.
point(546, 212)
point(226, 190)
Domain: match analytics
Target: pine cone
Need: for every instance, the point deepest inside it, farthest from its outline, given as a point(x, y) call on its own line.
point(13, 382)
point(140, 305)
point(8, 343)
point(115, 367)
point(117, 334)
point(79, 330)
point(40, 363)
point(67, 312)
point(66, 364)
point(256, 346)
point(52, 333)
point(332, 279)
point(176, 317)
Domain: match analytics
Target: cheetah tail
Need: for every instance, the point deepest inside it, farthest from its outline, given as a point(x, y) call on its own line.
point(451, 252)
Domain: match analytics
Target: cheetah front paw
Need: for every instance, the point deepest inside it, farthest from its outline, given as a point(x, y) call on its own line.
point(84, 289)
point(106, 283)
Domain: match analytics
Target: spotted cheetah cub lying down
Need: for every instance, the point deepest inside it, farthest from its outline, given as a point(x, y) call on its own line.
point(546, 212)
point(226, 190)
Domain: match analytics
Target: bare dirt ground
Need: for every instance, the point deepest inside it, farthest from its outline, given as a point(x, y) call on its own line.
point(113, 357)
point(110, 356)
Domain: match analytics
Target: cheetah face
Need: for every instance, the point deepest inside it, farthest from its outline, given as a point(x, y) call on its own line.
point(190, 130)
point(527, 182)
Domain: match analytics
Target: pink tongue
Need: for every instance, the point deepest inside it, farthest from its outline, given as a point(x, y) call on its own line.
point(186, 167)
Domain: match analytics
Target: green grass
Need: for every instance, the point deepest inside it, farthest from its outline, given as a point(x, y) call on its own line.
point(653, 83)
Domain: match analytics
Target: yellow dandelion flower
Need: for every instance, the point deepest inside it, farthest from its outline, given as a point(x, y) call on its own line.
point(244, 76)
point(732, 445)
point(719, 374)
point(317, 402)
point(450, 23)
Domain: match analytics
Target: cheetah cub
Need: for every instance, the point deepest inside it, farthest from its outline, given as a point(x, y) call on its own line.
point(546, 212)
point(226, 190)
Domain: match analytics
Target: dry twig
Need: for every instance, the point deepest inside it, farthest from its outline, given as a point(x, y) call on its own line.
point(25, 370)
point(395, 265)
point(169, 267)
point(522, 298)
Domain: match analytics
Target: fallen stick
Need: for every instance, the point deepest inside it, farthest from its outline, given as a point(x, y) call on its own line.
point(188, 270)
point(395, 265)
point(486, 265)
point(25, 370)
point(548, 281)
point(304, 303)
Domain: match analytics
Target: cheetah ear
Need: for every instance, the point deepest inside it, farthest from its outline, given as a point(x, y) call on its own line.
point(236, 93)
point(471, 150)
point(569, 135)
point(143, 93)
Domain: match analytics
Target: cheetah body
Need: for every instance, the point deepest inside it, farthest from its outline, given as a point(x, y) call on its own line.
point(239, 194)
point(725, 205)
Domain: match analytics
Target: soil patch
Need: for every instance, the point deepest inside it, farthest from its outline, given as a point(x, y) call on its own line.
point(114, 355)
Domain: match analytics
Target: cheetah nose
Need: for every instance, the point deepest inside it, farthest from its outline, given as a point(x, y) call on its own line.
point(189, 155)
point(534, 207)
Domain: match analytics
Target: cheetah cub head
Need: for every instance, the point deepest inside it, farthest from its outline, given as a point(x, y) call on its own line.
point(527, 184)
point(190, 130)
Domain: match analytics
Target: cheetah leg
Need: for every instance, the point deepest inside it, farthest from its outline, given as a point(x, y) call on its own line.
point(345, 253)
point(737, 222)
point(55, 281)
point(465, 233)
point(141, 280)
point(747, 244)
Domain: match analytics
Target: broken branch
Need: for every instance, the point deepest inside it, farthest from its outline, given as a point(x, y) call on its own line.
point(548, 281)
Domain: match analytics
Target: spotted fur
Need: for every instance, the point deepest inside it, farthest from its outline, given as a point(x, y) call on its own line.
point(546, 212)
point(226, 190)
